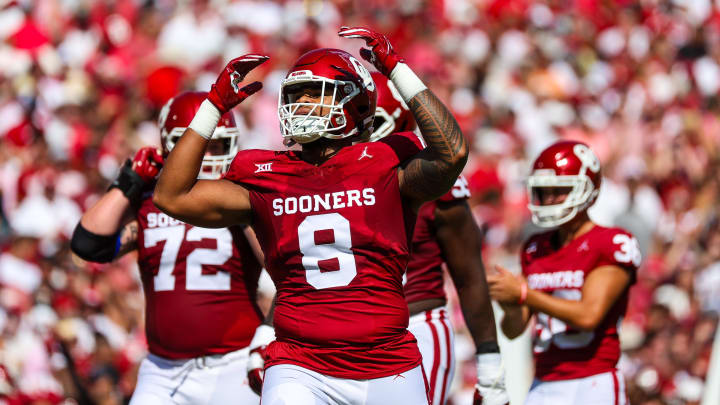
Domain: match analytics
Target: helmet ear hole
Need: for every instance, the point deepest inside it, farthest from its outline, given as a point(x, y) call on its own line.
point(378, 121)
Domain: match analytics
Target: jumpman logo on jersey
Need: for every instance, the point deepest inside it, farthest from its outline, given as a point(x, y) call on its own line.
point(263, 167)
point(584, 247)
point(365, 154)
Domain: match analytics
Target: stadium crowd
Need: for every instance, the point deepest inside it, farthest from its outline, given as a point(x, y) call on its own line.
point(82, 82)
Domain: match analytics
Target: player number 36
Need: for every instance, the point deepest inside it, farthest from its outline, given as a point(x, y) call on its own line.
point(629, 249)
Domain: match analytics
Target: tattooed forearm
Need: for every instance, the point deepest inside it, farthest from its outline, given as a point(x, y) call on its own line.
point(439, 129)
point(434, 171)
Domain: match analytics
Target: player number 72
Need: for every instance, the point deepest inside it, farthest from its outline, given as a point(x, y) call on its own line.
point(195, 280)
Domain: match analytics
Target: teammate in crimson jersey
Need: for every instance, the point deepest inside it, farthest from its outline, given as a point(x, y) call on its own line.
point(199, 283)
point(445, 232)
point(334, 219)
point(575, 281)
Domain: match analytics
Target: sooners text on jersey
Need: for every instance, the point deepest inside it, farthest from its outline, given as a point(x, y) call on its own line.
point(562, 352)
point(200, 286)
point(336, 240)
point(424, 272)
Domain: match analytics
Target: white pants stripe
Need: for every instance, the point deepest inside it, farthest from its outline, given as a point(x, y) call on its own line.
point(435, 337)
point(600, 389)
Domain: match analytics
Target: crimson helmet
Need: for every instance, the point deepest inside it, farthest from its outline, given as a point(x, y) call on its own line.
point(335, 73)
point(391, 114)
point(176, 115)
point(568, 164)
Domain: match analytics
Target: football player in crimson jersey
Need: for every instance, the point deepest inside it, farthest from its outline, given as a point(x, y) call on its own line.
point(200, 284)
point(334, 219)
point(575, 283)
point(445, 232)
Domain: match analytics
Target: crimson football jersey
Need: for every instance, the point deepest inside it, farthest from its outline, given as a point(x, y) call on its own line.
point(336, 242)
point(424, 277)
point(200, 286)
point(562, 352)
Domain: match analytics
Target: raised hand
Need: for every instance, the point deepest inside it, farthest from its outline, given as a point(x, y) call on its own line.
point(147, 163)
point(381, 53)
point(226, 93)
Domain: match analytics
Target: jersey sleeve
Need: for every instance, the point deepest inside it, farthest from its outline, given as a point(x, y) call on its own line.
point(247, 163)
point(404, 144)
point(620, 248)
point(237, 170)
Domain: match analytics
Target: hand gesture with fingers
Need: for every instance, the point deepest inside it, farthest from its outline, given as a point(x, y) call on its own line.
point(226, 93)
point(505, 287)
point(381, 53)
point(147, 163)
point(138, 173)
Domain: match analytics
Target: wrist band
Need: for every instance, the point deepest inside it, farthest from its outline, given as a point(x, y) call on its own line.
point(488, 363)
point(205, 120)
point(523, 293)
point(406, 81)
point(487, 347)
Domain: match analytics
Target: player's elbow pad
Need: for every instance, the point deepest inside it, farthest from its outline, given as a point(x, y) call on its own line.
point(93, 247)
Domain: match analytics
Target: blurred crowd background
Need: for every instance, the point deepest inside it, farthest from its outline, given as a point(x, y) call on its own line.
point(82, 82)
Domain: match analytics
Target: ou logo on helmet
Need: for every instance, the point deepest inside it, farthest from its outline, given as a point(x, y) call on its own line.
point(587, 157)
point(368, 82)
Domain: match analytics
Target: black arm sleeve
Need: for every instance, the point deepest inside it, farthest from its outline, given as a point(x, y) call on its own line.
point(93, 247)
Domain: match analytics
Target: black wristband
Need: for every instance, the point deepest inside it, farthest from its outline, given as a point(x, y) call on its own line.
point(130, 183)
point(488, 347)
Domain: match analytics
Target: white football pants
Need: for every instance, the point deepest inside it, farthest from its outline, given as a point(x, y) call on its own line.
point(599, 389)
point(436, 341)
point(207, 380)
point(287, 384)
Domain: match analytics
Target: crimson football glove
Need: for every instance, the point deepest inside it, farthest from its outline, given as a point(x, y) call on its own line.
point(381, 55)
point(226, 93)
point(137, 173)
point(264, 334)
point(490, 388)
point(147, 163)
